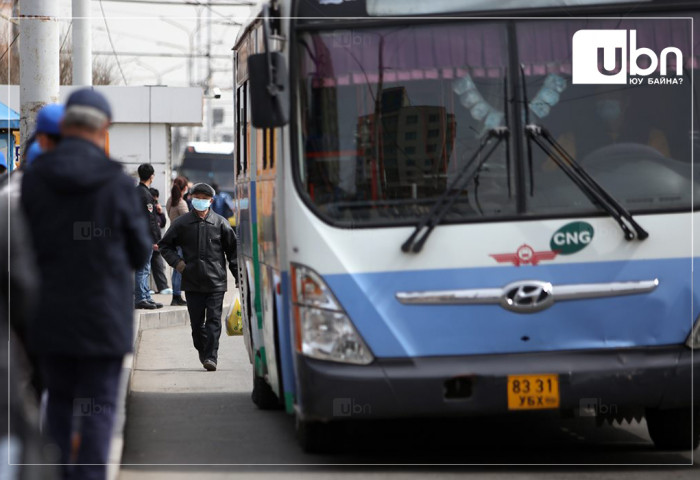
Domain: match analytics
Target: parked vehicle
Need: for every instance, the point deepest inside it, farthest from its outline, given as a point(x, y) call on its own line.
point(209, 163)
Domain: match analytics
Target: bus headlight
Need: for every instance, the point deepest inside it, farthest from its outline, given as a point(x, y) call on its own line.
point(323, 329)
point(693, 340)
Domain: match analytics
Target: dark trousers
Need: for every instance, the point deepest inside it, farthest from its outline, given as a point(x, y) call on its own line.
point(158, 271)
point(81, 407)
point(205, 320)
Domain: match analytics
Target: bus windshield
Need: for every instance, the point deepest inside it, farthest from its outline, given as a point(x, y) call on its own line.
point(390, 115)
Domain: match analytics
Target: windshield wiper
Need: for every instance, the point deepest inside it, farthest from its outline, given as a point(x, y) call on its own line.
point(443, 204)
point(526, 110)
point(587, 184)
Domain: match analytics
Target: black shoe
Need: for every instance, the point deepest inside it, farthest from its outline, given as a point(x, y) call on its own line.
point(146, 305)
point(210, 365)
point(178, 301)
point(155, 304)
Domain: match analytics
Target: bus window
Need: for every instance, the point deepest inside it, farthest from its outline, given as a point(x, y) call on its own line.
point(239, 129)
point(643, 160)
point(265, 146)
point(273, 147)
point(383, 143)
point(389, 120)
point(243, 128)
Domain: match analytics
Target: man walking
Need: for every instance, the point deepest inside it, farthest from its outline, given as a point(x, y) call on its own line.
point(142, 297)
point(207, 242)
point(88, 242)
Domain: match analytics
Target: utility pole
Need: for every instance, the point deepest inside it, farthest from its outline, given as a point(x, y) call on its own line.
point(38, 60)
point(82, 43)
point(209, 88)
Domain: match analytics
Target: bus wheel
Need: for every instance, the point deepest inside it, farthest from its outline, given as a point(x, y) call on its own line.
point(318, 437)
point(263, 396)
point(673, 429)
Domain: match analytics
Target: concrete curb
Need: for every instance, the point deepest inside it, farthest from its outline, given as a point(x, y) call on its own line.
point(143, 320)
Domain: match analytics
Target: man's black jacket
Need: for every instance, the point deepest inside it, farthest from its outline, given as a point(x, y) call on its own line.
point(89, 236)
point(206, 245)
point(149, 208)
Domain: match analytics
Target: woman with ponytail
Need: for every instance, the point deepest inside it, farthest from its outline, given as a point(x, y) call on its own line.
point(176, 206)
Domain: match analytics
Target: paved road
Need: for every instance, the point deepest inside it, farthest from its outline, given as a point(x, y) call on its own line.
point(188, 420)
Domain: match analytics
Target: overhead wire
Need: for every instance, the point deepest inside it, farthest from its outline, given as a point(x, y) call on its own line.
point(109, 36)
point(8, 48)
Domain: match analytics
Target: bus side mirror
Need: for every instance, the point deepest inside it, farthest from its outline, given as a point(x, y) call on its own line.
point(269, 90)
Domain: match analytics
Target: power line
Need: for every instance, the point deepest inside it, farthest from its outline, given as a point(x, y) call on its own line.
point(109, 36)
point(70, 25)
point(8, 48)
point(165, 55)
point(188, 3)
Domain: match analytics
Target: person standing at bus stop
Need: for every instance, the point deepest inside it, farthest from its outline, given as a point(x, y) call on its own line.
point(208, 243)
point(157, 266)
point(86, 252)
point(142, 297)
point(176, 207)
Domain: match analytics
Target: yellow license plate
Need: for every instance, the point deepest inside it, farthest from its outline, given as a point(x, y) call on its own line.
point(533, 392)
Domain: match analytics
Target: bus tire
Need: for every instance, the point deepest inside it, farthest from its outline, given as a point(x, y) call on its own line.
point(673, 429)
point(263, 396)
point(317, 437)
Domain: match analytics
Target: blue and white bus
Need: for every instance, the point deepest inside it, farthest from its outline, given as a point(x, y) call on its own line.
point(456, 208)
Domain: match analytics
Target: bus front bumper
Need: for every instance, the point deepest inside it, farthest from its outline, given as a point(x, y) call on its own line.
point(623, 378)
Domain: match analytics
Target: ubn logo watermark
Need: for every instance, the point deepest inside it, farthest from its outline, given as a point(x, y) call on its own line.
point(86, 407)
point(346, 407)
point(602, 56)
point(89, 230)
point(348, 39)
point(593, 407)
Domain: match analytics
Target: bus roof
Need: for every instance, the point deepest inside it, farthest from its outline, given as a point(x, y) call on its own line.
point(255, 13)
point(328, 11)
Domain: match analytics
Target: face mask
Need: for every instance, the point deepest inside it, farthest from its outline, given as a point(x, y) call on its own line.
point(200, 204)
point(609, 109)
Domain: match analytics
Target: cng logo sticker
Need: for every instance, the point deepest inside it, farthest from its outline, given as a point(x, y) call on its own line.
point(571, 238)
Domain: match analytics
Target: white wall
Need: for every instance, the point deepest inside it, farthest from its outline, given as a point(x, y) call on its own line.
point(130, 144)
point(177, 106)
point(142, 117)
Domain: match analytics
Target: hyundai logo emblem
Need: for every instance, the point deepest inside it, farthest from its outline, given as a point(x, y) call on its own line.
point(527, 296)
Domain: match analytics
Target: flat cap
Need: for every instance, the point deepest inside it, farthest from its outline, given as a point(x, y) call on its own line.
point(89, 98)
point(203, 188)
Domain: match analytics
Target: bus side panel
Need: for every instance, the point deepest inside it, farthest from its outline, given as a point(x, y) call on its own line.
point(243, 228)
point(284, 315)
point(269, 327)
point(267, 261)
point(284, 330)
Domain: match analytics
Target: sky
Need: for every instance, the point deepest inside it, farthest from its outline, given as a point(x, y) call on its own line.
point(166, 29)
point(162, 29)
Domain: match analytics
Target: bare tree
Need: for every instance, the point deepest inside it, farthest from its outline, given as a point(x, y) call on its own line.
point(103, 72)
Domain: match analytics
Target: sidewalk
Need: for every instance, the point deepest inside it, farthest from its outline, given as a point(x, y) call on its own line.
point(147, 325)
point(143, 320)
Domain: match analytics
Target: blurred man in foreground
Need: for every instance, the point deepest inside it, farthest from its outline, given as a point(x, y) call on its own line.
point(89, 237)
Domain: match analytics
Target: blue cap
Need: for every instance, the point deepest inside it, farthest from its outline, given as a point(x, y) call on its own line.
point(48, 120)
point(3, 161)
point(33, 151)
point(87, 97)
